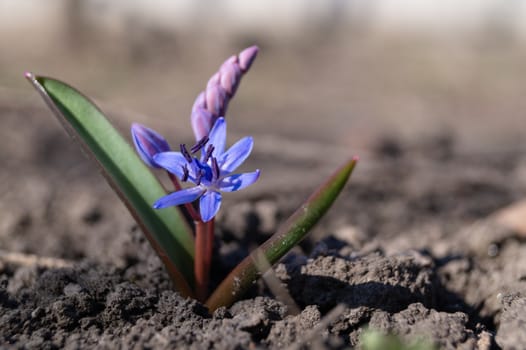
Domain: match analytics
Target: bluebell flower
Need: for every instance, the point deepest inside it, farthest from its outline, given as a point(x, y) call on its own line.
point(148, 143)
point(211, 174)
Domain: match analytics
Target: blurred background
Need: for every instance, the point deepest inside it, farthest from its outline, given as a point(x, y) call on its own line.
point(331, 75)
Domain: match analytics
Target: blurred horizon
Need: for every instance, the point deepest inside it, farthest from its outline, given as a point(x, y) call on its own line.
point(334, 71)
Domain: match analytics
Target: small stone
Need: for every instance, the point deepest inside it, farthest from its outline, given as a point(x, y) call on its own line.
point(493, 250)
point(37, 313)
point(72, 289)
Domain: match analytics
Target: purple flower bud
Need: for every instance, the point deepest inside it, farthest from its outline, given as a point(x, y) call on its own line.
point(216, 100)
point(230, 75)
point(246, 57)
point(221, 87)
point(214, 81)
point(199, 102)
point(148, 143)
point(201, 120)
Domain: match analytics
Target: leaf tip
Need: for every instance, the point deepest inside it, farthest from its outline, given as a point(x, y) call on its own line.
point(355, 159)
point(30, 77)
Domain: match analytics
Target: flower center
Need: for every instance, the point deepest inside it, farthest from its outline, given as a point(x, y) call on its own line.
point(203, 170)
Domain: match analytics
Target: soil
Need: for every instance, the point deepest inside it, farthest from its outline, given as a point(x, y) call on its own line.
point(410, 248)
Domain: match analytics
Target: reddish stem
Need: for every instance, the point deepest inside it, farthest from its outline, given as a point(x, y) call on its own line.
point(209, 244)
point(204, 244)
point(199, 261)
point(189, 207)
point(204, 239)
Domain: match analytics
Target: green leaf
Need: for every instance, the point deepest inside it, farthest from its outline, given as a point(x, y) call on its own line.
point(288, 235)
point(166, 229)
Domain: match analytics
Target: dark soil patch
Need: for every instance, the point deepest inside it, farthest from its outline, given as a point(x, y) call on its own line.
point(409, 249)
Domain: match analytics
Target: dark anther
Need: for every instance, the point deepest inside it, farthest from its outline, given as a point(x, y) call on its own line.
point(185, 173)
point(215, 168)
point(199, 177)
point(185, 153)
point(209, 151)
point(200, 144)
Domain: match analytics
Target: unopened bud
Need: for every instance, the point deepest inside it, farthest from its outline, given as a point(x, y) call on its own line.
point(221, 87)
point(148, 143)
point(201, 120)
point(230, 75)
point(216, 101)
point(246, 57)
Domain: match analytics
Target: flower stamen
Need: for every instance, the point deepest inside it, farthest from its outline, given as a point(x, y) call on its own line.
point(199, 176)
point(215, 169)
point(185, 153)
point(209, 151)
point(186, 173)
point(199, 144)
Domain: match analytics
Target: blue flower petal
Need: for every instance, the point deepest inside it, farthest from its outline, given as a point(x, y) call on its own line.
point(217, 137)
point(179, 197)
point(174, 163)
point(236, 154)
point(209, 205)
point(238, 181)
